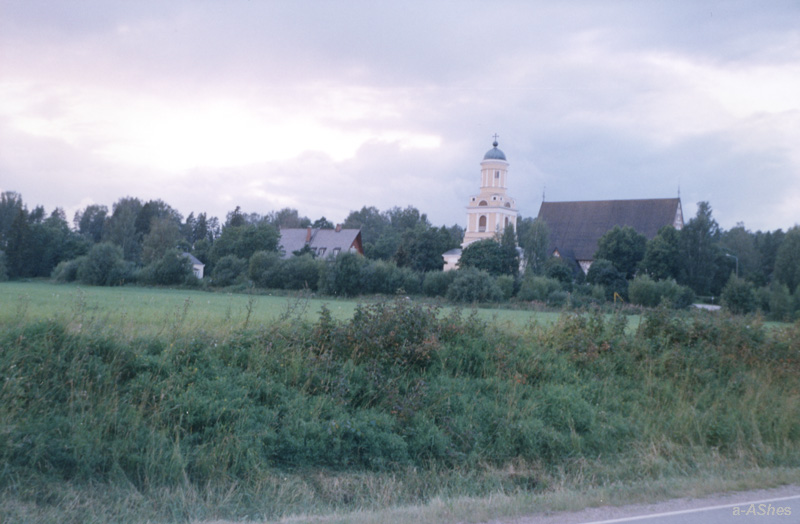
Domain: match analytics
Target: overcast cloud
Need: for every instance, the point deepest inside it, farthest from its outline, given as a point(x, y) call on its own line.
point(330, 106)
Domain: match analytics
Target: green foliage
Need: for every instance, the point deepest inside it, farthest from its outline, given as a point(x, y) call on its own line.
point(435, 283)
point(662, 256)
point(473, 285)
point(398, 389)
point(604, 273)
point(229, 270)
point(647, 292)
point(559, 269)
point(171, 269)
point(342, 275)
point(265, 269)
point(787, 260)
point(490, 256)
point(3, 267)
point(779, 302)
point(301, 272)
point(67, 271)
point(104, 266)
point(534, 239)
point(538, 288)
point(243, 241)
point(624, 247)
point(506, 283)
point(738, 296)
point(702, 255)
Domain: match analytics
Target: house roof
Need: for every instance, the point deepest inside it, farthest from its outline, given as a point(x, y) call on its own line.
point(343, 239)
point(193, 259)
point(576, 227)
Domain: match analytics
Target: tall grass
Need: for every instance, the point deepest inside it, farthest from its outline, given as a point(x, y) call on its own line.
point(397, 405)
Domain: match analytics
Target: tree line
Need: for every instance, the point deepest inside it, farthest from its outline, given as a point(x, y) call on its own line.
point(141, 241)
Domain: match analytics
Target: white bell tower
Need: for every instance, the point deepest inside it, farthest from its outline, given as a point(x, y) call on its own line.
point(491, 210)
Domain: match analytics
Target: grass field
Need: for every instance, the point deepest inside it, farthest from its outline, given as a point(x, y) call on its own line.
point(156, 405)
point(139, 310)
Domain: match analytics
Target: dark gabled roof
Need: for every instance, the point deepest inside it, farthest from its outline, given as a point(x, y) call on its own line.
point(576, 227)
point(331, 239)
point(193, 259)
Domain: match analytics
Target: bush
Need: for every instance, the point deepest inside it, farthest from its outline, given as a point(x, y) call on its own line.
point(558, 298)
point(559, 269)
point(779, 301)
point(474, 285)
point(538, 288)
point(67, 271)
point(738, 296)
point(301, 272)
point(435, 283)
point(171, 269)
point(605, 274)
point(3, 267)
point(264, 269)
point(342, 275)
point(506, 285)
point(385, 277)
point(104, 266)
point(647, 292)
point(229, 270)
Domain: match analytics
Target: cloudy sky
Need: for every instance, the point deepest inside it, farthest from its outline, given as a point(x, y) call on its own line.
point(328, 106)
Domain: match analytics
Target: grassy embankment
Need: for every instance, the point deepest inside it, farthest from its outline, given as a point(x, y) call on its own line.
point(395, 405)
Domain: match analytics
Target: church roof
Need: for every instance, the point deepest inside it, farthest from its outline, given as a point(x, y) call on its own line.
point(576, 227)
point(327, 240)
point(494, 153)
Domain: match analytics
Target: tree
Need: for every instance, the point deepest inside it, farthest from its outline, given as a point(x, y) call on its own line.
point(164, 235)
point(10, 205)
point(624, 247)
point(740, 243)
point(90, 222)
point(662, 255)
point(228, 270)
point(421, 248)
point(701, 252)
point(170, 269)
point(121, 228)
point(342, 275)
point(104, 266)
point(474, 285)
point(535, 242)
point(19, 255)
point(787, 260)
point(287, 218)
point(738, 296)
point(322, 223)
point(604, 273)
point(508, 249)
point(486, 255)
point(371, 222)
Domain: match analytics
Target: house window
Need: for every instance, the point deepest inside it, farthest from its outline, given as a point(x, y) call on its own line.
point(336, 251)
point(321, 251)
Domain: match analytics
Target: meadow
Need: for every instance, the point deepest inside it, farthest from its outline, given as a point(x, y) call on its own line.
point(151, 405)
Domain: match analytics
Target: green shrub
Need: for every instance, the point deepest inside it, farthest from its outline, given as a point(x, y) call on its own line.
point(265, 269)
point(104, 266)
point(473, 285)
point(506, 285)
point(172, 268)
point(538, 288)
point(558, 298)
point(301, 272)
point(603, 273)
point(738, 296)
point(67, 271)
point(229, 270)
point(435, 283)
point(647, 292)
point(342, 275)
point(3, 267)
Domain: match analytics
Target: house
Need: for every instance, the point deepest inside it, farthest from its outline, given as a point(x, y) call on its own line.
point(576, 227)
point(321, 242)
point(197, 266)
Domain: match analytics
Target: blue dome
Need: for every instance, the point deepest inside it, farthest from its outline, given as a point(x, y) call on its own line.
point(494, 153)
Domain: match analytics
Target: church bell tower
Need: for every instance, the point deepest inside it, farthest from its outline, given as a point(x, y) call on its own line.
point(491, 210)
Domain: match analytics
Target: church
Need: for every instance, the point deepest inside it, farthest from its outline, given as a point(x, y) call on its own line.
point(575, 227)
point(491, 210)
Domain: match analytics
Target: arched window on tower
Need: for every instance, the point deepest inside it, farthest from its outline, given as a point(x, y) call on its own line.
point(482, 224)
point(483, 203)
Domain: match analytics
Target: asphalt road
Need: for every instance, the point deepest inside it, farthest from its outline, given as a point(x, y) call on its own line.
point(780, 505)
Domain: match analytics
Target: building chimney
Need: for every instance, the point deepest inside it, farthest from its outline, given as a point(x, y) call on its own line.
point(308, 235)
point(338, 227)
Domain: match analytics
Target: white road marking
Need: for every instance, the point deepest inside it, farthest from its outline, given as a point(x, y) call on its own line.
point(685, 511)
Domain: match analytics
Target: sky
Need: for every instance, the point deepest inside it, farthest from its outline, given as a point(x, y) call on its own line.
point(329, 106)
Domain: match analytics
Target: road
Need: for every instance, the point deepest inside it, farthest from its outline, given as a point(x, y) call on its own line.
point(780, 505)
